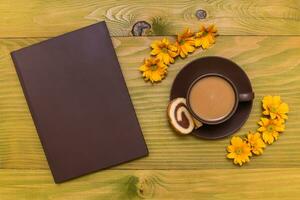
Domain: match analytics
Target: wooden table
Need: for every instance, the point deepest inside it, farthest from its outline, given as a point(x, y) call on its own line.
point(262, 36)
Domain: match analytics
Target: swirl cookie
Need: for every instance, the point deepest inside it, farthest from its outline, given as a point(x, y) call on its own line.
point(179, 116)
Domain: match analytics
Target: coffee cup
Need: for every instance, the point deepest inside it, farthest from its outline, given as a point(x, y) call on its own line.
point(213, 98)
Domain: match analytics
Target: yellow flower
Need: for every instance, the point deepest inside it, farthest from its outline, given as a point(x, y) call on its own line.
point(206, 36)
point(239, 151)
point(274, 107)
point(255, 143)
point(153, 69)
point(185, 43)
point(270, 129)
point(164, 50)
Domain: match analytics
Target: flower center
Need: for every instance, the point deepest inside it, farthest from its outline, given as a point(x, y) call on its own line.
point(239, 151)
point(181, 42)
point(273, 109)
point(153, 67)
point(270, 128)
point(205, 33)
point(164, 50)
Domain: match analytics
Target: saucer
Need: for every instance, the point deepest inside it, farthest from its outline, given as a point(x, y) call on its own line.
point(229, 69)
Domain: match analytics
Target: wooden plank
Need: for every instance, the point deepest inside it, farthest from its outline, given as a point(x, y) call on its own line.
point(271, 62)
point(216, 184)
point(39, 18)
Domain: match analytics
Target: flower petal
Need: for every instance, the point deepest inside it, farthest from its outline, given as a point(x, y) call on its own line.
point(166, 59)
point(173, 54)
point(165, 41)
point(190, 49)
point(198, 42)
point(231, 155)
point(236, 140)
point(155, 44)
point(182, 54)
point(261, 129)
point(205, 43)
point(276, 100)
point(143, 68)
point(265, 121)
point(172, 48)
point(266, 112)
point(268, 137)
point(212, 28)
point(272, 115)
point(283, 108)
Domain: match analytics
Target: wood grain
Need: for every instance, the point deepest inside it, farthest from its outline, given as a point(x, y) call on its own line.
point(177, 167)
point(40, 18)
point(273, 184)
point(272, 63)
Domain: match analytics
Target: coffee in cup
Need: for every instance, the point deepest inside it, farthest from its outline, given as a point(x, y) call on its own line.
point(213, 98)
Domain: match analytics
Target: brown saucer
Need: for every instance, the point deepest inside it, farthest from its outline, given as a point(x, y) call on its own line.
point(223, 66)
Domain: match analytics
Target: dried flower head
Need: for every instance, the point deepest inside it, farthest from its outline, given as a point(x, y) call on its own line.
point(164, 50)
point(255, 142)
point(153, 69)
point(185, 43)
point(206, 36)
point(270, 129)
point(239, 151)
point(274, 107)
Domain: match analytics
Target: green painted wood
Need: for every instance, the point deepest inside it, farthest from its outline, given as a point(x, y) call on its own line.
point(40, 18)
point(177, 167)
point(271, 62)
point(252, 184)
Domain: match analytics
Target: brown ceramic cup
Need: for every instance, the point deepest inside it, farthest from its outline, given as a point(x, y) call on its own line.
point(239, 97)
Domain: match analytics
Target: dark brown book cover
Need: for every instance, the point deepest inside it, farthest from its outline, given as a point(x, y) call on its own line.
point(79, 102)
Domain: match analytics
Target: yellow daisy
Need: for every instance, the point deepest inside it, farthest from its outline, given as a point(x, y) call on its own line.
point(164, 50)
point(206, 36)
point(239, 151)
point(255, 143)
point(153, 69)
point(185, 43)
point(274, 107)
point(270, 129)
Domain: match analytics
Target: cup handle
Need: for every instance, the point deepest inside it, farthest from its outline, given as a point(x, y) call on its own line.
point(243, 97)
